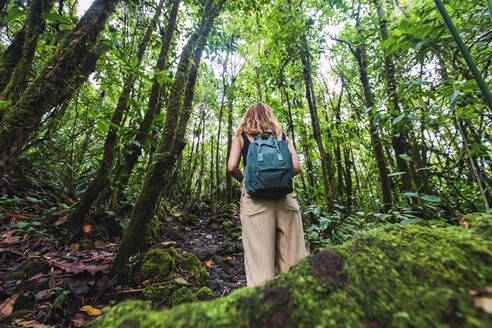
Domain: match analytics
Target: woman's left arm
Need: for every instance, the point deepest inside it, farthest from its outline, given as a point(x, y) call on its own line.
point(295, 158)
point(234, 159)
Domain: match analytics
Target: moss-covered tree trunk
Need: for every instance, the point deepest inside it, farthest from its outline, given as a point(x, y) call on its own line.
point(400, 133)
point(361, 55)
point(33, 28)
point(395, 276)
point(103, 176)
point(171, 142)
point(133, 150)
point(62, 74)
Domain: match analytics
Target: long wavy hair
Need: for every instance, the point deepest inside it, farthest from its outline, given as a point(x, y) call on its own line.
point(259, 118)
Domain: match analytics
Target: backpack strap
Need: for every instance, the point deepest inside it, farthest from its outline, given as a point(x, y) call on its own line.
point(284, 136)
point(245, 139)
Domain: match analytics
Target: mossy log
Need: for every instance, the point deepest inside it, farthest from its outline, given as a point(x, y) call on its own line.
point(395, 276)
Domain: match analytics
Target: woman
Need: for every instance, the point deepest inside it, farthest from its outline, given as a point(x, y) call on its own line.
point(271, 228)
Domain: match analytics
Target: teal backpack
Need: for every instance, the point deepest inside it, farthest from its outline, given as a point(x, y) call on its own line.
point(269, 167)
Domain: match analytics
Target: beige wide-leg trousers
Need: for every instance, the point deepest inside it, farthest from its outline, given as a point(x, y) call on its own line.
point(272, 232)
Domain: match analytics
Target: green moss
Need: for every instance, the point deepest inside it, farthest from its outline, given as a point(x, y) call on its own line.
point(160, 293)
point(205, 294)
point(15, 275)
point(397, 276)
point(183, 295)
point(192, 269)
point(157, 263)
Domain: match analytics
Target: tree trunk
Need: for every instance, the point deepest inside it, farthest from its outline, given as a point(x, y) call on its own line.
point(348, 176)
point(326, 160)
point(291, 124)
point(172, 140)
point(199, 136)
point(338, 125)
point(103, 176)
point(132, 151)
point(63, 73)
point(230, 108)
point(202, 164)
point(34, 27)
point(224, 91)
point(361, 55)
point(396, 276)
point(398, 135)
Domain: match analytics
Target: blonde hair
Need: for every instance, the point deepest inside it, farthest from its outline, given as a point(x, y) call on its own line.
point(259, 118)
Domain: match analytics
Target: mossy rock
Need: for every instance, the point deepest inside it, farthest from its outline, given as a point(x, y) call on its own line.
point(183, 295)
point(157, 264)
point(160, 293)
point(205, 294)
point(164, 294)
point(395, 276)
point(192, 269)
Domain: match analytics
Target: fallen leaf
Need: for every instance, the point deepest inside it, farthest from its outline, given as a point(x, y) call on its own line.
point(90, 310)
point(208, 263)
point(61, 220)
point(181, 281)
point(8, 305)
point(10, 241)
point(465, 224)
point(228, 258)
point(30, 324)
point(75, 246)
point(52, 282)
point(8, 234)
point(484, 303)
point(17, 216)
point(79, 268)
point(168, 243)
point(36, 276)
point(87, 229)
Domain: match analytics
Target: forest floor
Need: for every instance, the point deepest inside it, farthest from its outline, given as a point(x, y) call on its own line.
point(46, 283)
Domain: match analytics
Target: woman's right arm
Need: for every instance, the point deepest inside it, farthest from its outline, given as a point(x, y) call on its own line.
point(234, 159)
point(295, 158)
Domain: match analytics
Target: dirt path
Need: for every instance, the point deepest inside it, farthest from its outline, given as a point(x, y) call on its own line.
point(216, 241)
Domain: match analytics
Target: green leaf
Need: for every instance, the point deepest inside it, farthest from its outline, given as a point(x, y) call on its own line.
point(103, 127)
point(398, 119)
point(4, 103)
point(136, 143)
point(22, 224)
point(430, 198)
point(15, 13)
point(410, 221)
point(405, 157)
point(53, 17)
point(411, 194)
point(394, 174)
